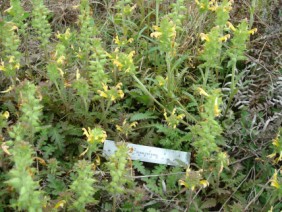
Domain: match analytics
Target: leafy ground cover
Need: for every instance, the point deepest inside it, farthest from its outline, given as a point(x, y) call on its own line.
point(199, 76)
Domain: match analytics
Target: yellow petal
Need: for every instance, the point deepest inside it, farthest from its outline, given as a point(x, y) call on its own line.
point(60, 204)
point(41, 161)
point(204, 183)
point(253, 31)
point(8, 90)
point(83, 153)
point(5, 148)
point(6, 114)
point(155, 34)
point(202, 92)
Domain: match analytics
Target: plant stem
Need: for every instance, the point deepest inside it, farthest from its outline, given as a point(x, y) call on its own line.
point(233, 86)
point(114, 203)
point(170, 75)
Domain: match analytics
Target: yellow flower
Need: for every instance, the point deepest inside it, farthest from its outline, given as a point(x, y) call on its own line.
point(117, 63)
point(155, 34)
point(202, 92)
point(215, 109)
point(17, 66)
point(230, 26)
point(116, 40)
point(275, 141)
point(6, 114)
point(113, 93)
point(204, 183)
point(204, 37)
point(224, 38)
point(126, 128)
point(61, 72)
point(61, 60)
point(253, 31)
point(60, 204)
point(2, 66)
point(274, 181)
point(96, 135)
point(77, 74)
point(11, 59)
point(173, 120)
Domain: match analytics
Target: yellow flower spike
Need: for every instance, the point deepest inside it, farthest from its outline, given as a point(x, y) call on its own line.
point(253, 31)
point(202, 92)
point(204, 183)
point(204, 37)
point(274, 181)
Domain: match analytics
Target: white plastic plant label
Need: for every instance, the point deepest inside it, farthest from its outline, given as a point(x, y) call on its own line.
point(151, 154)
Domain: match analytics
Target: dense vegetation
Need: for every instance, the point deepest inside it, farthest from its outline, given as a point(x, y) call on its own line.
point(198, 76)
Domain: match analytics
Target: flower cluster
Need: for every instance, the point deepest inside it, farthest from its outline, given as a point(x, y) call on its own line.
point(10, 61)
point(123, 61)
point(211, 48)
point(193, 179)
point(126, 128)
point(277, 148)
point(239, 39)
point(113, 93)
point(94, 136)
point(165, 34)
point(174, 119)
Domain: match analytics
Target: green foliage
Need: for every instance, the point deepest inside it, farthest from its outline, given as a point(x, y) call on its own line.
point(117, 166)
point(40, 22)
point(82, 185)
point(144, 72)
point(21, 175)
point(10, 56)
